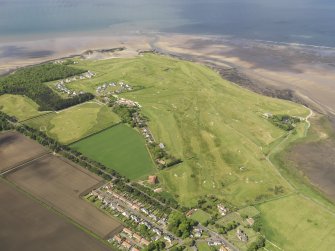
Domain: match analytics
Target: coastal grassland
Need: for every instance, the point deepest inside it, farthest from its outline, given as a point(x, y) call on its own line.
point(215, 127)
point(297, 223)
point(201, 216)
point(74, 123)
point(121, 148)
point(19, 106)
point(299, 167)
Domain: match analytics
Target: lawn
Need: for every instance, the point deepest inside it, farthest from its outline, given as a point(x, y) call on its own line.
point(297, 223)
point(216, 128)
point(121, 148)
point(201, 216)
point(74, 123)
point(19, 106)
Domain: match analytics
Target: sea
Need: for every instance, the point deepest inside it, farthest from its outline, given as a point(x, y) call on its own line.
point(310, 22)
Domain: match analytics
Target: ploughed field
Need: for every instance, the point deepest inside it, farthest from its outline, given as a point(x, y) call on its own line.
point(51, 187)
point(121, 148)
point(16, 148)
point(60, 183)
point(27, 225)
point(74, 123)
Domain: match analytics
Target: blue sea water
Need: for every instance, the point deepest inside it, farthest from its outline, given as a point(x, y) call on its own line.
point(294, 21)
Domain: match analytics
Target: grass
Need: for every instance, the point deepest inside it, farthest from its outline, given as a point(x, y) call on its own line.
point(203, 246)
point(121, 148)
point(297, 223)
point(216, 128)
point(72, 124)
point(19, 106)
point(201, 216)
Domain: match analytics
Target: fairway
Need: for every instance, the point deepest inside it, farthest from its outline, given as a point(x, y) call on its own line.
point(74, 123)
point(19, 106)
point(121, 148)
point(215, 127)
point(297, 223)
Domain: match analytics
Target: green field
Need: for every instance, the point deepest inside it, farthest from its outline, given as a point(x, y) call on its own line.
point(297, 223)
point(201, 216)
point(74, 123)
point(121, 148)
point(216, 128)
point(19, 106)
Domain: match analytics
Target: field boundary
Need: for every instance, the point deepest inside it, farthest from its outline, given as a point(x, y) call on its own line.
point(35, 117)
point(94, 133)
point(22, 164)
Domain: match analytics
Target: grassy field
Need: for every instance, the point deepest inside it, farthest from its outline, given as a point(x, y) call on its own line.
point(19, 106)
point(297, 223)
point(201, 216)
point(121, 148)
point(215, 127)
point(75, 123)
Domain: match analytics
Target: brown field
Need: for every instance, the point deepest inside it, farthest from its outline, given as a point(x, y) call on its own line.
point(27, 225)
point(59, 184)
point(16, 149)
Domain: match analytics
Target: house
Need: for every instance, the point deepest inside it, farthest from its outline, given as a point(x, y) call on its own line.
point(161, 146)
point(128, 231)
point(250, 221)
point(117, 239)
point(157, 231)
point(168, 238)
point(215, 243)
point(125, 214)
point(222, 209)
point(223, 248)
point(197, 232)
point(137, 237)
point(134, 249)
point(153, 179)
point(144, 210)
point(241, 235)
point(145, 242)
point(126, 245)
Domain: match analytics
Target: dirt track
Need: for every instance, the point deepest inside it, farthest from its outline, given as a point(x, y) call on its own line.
point(60, 184)
point(16, 148)
point(26, 225)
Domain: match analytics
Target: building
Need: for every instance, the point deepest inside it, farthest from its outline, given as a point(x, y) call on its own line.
point(128, 231)
point(161, 146)
point(137, 237)
point(153, 179)
point(241, 235)
point(134, 249)
point(223, 210)
point(223, 248)
point(250, 221)
point(145, 242)
point(117, 239)
point(126, 245)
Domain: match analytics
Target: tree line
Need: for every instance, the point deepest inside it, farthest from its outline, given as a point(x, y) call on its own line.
point(30, 82)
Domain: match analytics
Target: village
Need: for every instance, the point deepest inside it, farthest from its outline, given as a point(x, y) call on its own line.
point(113, 88)
point(145, 223)
point(61, 85)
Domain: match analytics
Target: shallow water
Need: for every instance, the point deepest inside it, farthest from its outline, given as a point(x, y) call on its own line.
point(295, 21)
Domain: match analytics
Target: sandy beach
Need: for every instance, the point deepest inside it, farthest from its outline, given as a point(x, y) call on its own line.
point(309, 71)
